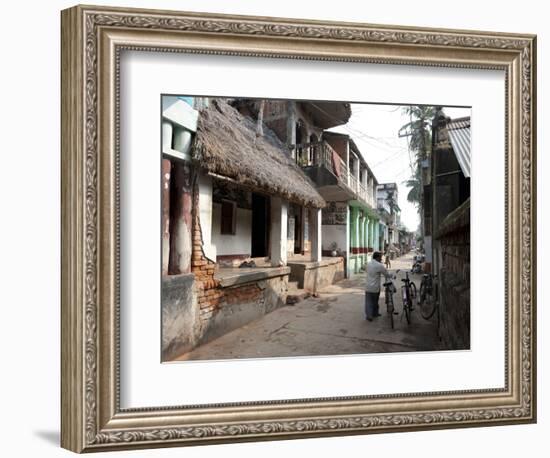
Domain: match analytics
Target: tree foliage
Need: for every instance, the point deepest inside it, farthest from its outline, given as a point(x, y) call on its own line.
point(420, 141)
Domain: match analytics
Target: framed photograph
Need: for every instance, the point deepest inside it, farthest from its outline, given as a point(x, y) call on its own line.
point(278, 228)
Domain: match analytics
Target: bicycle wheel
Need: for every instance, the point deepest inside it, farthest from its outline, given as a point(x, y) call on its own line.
point(406, 300)
point(421, 292)
point(407, 309)
point(389, 309)
point(427, 303)
point(413, 292)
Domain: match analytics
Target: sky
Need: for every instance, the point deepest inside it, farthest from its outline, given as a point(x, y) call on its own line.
point(374, 128)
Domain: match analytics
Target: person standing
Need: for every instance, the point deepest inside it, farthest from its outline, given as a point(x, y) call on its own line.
point(375, 269)
point(387, 260)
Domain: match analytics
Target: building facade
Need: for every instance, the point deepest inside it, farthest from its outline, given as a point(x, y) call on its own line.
point(228, 191)
point(450, 224)
point(354, 201)
point(333, 162)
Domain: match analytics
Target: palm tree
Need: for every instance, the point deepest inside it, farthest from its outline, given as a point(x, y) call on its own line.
point(418, 129)
point(415, 192)
point(419, 133)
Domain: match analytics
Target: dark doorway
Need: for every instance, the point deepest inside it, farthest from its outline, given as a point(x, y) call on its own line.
point(298, 231)
point(260, 226)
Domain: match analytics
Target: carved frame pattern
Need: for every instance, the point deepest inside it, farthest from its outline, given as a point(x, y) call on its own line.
point(82, 403)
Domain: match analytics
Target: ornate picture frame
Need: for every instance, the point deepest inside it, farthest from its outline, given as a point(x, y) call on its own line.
point(92, 41)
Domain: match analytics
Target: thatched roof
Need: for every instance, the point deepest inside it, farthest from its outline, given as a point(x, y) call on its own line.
point(226, 144)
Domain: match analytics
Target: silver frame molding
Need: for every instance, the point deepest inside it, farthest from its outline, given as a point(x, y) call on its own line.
point(92, 39)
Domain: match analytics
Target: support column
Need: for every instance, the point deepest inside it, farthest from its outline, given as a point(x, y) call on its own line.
point(180, 231)
point(366, 241)
point(376, 235)
point(291, 126)
point(352, 230)
point(372, 234)
point(368, 232)
point(361, 243)
point(358, 241)
point(348, 242)
point(315, 234)
point(279, 228)
point(360, 233)
point(166, 170)
point(167, 132)
point(365, 234)
point(369, 225)
point(354, 236)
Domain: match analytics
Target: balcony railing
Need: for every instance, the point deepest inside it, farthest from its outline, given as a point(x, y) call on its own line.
point(322, 154)
point(367, 195)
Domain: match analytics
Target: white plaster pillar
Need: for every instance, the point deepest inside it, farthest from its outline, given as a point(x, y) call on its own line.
point(279, 222)
point(167, 132)
point(366, 245)
point(182, 139)
point(166, 173)
point(315, 234)
point(205, 215)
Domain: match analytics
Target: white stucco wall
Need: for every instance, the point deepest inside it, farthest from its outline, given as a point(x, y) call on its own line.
point(334, 233)
point(241, 242)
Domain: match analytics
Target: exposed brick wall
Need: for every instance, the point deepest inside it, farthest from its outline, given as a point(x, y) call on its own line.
point(206, 286)
point(454, 240)
point(242, 294)
point(222, 309)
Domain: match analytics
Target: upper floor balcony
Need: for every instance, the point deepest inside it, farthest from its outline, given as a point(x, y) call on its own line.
point(329, 171)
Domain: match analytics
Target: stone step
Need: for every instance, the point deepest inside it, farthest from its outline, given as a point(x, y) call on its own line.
point(292, 285)
point(295, 294)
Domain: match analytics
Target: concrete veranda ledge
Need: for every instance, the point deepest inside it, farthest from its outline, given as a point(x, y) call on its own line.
point(232, 276)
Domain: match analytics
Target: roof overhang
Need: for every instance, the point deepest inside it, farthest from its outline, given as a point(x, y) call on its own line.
point(328, 114)
point(459, 136)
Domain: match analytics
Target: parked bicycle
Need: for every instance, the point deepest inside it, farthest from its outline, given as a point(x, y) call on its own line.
point(428, 296)
point(408, 294)
point(389, 290)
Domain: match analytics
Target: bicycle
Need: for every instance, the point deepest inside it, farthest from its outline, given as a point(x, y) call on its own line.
point(428, 297)
point(408, 294)
point(389, 290)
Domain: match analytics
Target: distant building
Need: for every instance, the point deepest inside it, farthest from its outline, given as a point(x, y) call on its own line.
point(387, 197)
point(345, 180)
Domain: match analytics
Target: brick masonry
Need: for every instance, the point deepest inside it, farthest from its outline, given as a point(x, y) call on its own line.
point(197, 308)
point(207, 288)
point(242, 294)
point(211, 297)
point(454, 238)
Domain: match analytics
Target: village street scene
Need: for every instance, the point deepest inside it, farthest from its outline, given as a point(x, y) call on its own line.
point(284, 223)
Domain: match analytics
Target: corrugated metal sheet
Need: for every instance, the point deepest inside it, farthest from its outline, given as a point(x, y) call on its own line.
point(459, 134)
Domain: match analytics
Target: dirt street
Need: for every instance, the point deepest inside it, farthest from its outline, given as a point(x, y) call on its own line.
point(331, 324)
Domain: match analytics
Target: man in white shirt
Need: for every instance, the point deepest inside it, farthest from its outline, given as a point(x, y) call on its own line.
point(375, 269)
